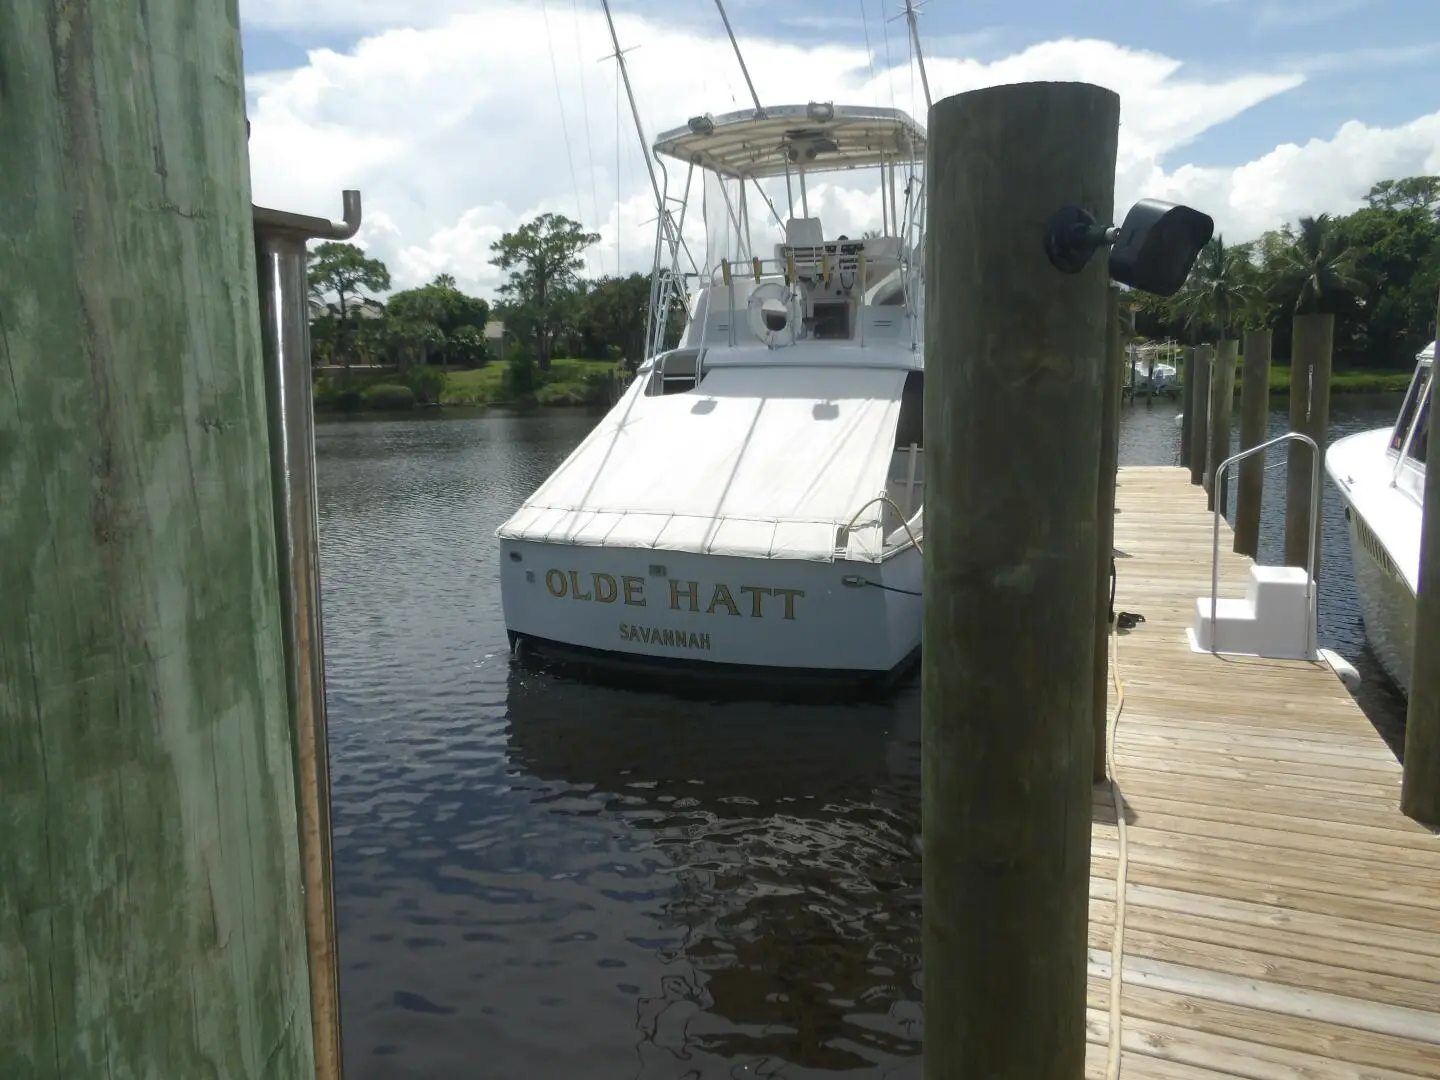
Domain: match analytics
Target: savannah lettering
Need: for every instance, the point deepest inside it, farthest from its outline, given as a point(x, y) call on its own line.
point(652, 635)
point(746, 600)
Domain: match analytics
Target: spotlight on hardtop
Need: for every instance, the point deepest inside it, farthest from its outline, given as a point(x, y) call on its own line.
point(1153, 250)
point(702, 125)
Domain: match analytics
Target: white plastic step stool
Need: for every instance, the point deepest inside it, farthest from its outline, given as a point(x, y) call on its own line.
point(1273, 620)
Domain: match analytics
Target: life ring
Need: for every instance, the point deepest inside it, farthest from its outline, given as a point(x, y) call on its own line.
point(764, 323)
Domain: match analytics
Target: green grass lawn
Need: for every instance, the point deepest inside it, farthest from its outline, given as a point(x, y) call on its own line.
point(568, 382)
point(1346, 382)
point(1341, 382)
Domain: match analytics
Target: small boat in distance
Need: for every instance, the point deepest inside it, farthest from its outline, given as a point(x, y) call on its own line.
point(1381, 477)
point(753, 504)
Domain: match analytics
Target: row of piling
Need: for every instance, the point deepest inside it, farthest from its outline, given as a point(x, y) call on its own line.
point(1016, 614)
point(157, 815)
point(1207, 375)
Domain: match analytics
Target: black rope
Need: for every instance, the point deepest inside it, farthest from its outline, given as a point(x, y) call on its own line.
point(889, 588)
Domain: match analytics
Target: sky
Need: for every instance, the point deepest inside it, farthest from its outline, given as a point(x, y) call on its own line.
point(459, 120)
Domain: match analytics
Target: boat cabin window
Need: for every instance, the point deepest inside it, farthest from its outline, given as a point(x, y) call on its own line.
point(1412, 402)
point(1420, 440)
point(911, 427)
point(832, 320)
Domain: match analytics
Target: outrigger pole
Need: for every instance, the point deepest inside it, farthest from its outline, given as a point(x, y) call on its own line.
point(669, 231)
point(619, 56)
point(910, 12)
point(759, 109)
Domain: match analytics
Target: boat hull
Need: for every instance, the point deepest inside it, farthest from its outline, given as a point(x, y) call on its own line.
point(1382, 519)
point(713, 616)
point(1386, 603)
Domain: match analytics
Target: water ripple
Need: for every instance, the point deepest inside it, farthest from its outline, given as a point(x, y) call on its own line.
point(540, 878)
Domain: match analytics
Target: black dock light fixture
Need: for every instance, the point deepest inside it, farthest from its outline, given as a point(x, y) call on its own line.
point(1153, 251)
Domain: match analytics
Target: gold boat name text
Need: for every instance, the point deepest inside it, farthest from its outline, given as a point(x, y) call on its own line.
point(756, 601)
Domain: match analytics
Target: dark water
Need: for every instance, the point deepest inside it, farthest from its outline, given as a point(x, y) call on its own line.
point(541, 878)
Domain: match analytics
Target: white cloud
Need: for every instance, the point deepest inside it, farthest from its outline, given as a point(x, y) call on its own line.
point(1292, 180)
point(452, 128)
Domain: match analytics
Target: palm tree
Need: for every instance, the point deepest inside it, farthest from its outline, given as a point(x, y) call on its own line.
point(1316, 268)
point(1221, 290)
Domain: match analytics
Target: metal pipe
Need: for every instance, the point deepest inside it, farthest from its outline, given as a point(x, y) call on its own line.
point(307, 227)
point(634, 111)
point(759, 109)
point(1311, 611)
point(884, 209)
point(893, 215)
point(280, 240)
point(919, 56)
point(744, 223)
point(773, 212)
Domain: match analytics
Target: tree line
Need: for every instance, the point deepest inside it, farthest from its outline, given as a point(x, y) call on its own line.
point(546, 306)
point(1377, 271)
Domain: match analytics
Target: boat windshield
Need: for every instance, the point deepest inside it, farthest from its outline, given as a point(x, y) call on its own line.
point(1418, 385)
point(1420, 440)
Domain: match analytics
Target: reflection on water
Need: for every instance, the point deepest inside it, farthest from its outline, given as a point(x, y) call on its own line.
point(542, 878)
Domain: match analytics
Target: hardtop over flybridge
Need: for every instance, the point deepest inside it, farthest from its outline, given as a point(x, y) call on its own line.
point(755, 499)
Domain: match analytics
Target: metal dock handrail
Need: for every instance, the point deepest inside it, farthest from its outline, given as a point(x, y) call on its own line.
point(1311, 634)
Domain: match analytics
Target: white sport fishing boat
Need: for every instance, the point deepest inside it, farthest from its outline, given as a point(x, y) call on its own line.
point(753, 504)
point(1381, 476)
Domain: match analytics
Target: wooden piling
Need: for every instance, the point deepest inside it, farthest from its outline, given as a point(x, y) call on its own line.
point(1420, 788)
point(1186, 368)
point(1105, 524)
point(151, 916)
point(1014, 409)
point(1310, 352)
point(1222, 400)
point(1318, 335)
point(1200, 425)
point(1254, 424)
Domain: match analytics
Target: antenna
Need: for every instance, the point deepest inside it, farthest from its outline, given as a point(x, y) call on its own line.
point(619, 55)
point(759, 109)
point(910, 12)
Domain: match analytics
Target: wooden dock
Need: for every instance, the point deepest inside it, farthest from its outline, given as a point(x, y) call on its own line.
point(1281, 917)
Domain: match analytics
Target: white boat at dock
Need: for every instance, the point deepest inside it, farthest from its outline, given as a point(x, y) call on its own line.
point(1381, 477)
point(753, 504)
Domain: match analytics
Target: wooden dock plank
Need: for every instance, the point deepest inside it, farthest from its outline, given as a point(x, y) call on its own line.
point(1281, 917)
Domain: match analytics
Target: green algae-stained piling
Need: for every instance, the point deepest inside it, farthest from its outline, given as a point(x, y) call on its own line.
point(1013, 407)
point(1254, 415)
point(1222, 398)
point(1420, 792)
point(1105, 524)
point(1310, 354)
point(151, 916)
point(1200, 425)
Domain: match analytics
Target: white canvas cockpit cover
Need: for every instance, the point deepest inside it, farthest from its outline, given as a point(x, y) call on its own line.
point(763, 462)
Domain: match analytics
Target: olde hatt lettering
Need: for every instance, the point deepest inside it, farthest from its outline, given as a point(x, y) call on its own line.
point(754, 601)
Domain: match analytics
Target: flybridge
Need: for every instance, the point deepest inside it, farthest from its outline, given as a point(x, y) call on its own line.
point(736, 153)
